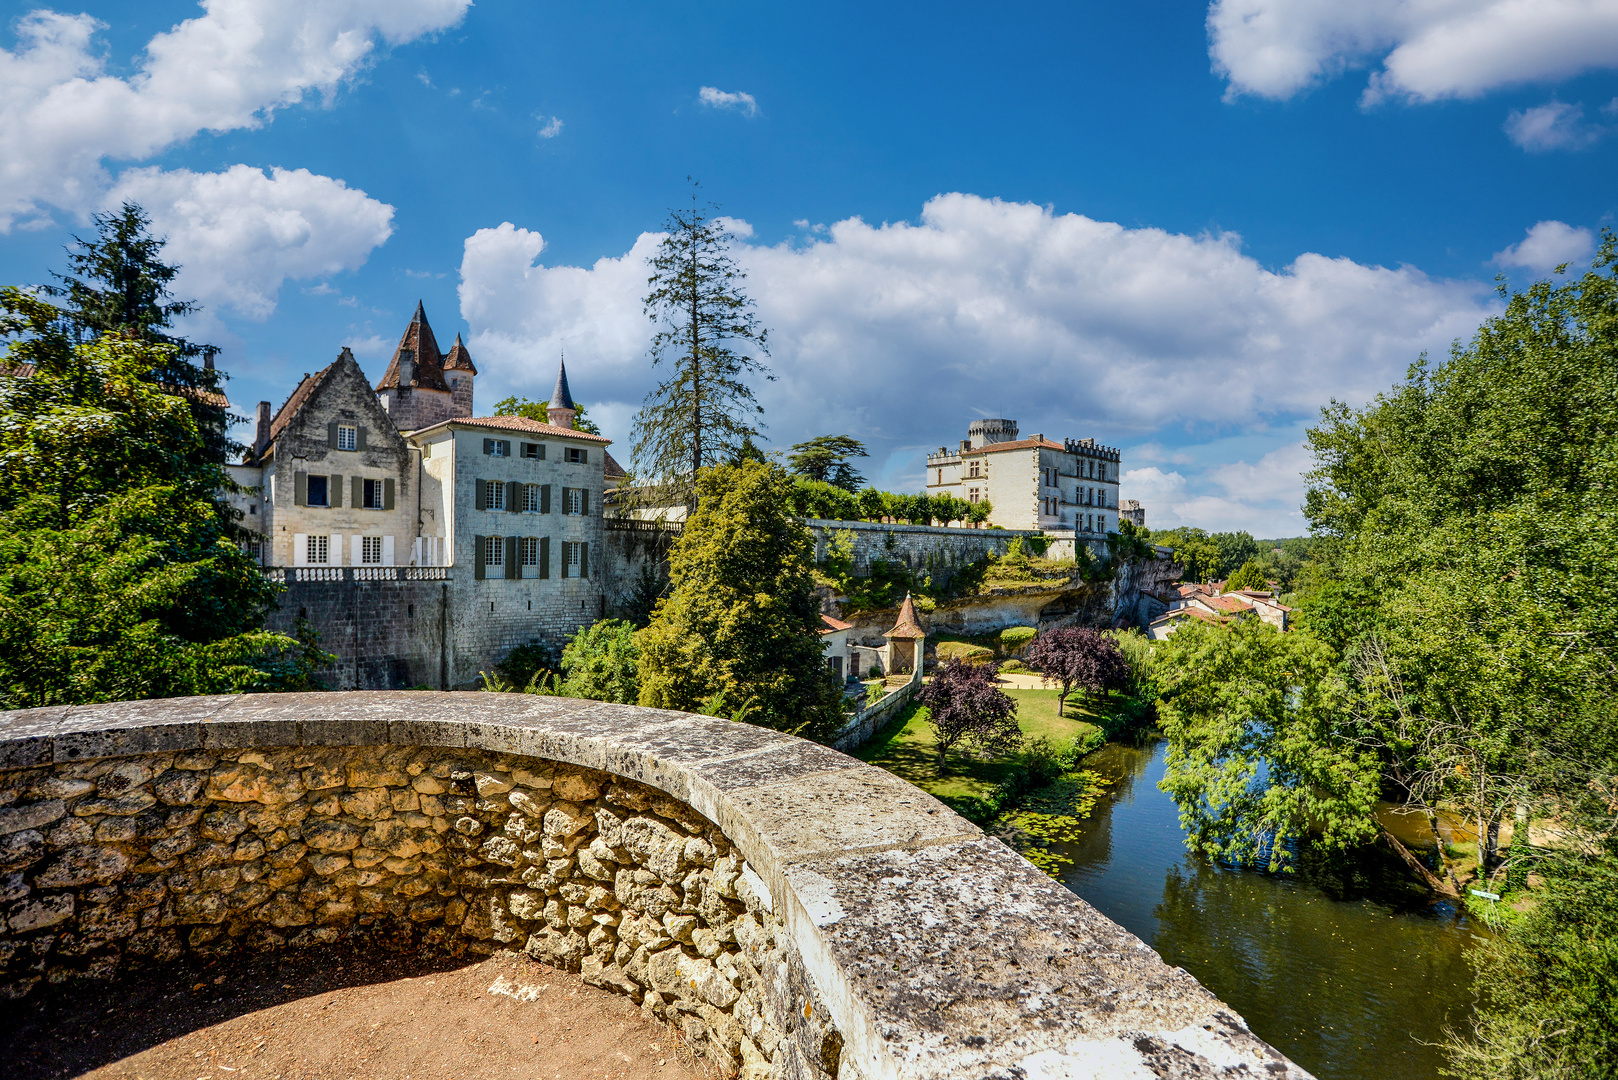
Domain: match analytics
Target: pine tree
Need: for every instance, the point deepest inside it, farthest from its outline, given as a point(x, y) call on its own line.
point(826, 458)
point(703, 411)
point(117, 283)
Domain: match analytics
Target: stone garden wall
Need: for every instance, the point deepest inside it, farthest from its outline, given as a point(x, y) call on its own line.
point(800, 915)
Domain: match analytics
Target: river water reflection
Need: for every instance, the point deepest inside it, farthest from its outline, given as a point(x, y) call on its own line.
point(1348, 972)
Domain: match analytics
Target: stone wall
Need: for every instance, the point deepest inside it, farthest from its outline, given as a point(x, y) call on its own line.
point(935, 548)
point(143, 859)
point(387, 627)
point(801, 915)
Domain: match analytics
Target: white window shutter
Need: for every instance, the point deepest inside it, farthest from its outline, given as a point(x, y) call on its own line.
point(387, 551)
point(354, 542)
point(300, 549)
point(337, 549)
point(415, 552)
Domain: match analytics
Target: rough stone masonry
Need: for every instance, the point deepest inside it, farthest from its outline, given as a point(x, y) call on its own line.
point(142, 859)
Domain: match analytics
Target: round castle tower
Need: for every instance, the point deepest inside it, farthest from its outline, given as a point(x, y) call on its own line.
point(984, 432)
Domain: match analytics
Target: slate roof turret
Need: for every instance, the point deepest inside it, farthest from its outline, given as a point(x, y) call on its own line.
point(561, 397)
point(458, 359)
point(907, 628)
point(429, 360)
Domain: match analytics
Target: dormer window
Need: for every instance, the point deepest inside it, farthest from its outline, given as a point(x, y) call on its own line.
point(348, 438)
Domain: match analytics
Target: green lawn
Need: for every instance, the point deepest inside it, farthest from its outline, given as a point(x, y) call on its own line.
point(906, 747)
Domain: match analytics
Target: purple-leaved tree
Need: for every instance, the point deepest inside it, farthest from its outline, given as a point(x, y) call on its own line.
point(1078, 658)
point(963, 702)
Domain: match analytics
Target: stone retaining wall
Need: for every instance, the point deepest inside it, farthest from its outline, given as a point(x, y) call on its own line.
point(801, 915)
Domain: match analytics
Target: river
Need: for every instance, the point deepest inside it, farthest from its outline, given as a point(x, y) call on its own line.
point(1351, 972)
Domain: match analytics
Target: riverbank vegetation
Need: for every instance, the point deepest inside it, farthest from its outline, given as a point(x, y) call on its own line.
point(1453, 653)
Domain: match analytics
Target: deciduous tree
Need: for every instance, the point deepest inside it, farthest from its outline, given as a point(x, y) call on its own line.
point(741, 623)
point(965, 704)
point(1078, 658)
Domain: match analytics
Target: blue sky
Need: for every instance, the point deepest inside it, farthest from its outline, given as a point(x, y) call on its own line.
point(1175, 227)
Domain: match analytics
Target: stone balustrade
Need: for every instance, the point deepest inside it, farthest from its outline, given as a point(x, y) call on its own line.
point(797, 913)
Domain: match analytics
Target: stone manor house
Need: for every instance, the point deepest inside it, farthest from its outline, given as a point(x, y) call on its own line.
point(421, 540)
point(1070, 487)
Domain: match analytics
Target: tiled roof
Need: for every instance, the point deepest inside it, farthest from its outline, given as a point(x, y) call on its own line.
point(907, 628)
point(299, 397)
point(519, 424)
point(418, 337)
point(1019, 444)
point(1230, 604)
point(611, 468)
point(834, 625)
point(458, 359)
point(1191, 613)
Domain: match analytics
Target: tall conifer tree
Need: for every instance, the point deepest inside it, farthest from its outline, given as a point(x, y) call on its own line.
point(703, 411)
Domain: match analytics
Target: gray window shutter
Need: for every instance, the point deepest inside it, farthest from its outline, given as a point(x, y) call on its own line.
point(482, 494)
point(360, 439)
point(387, 494)
point(512, 569)
point(544, 556)
point(544, 498)
point(584, 457)
point(513, 497)
point(584, 502)
point(584, 560)
point(477, 558)
point(542, 451)
point(357, 496)
point(488, 446)
point(505, 447)
point(334, 491)
point(331, 435)
point(564, 500)
point(300, 489)
point(566, 548)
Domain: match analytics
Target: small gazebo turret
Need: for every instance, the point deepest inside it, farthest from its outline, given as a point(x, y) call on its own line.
point(906, 629)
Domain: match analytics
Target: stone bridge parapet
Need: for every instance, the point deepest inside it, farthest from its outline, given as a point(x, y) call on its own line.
point(798, 913)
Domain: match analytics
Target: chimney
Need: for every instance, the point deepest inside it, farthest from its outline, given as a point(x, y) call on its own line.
point(407, 367)
point(263, 439)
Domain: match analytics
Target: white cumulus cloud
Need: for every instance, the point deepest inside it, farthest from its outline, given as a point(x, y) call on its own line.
point(715, 98)
point(1555, 125)
point(62, 114)
point(238, 234)
point(1427, 50)
point(550, 126)
point(901, 334)
point(1548, 245)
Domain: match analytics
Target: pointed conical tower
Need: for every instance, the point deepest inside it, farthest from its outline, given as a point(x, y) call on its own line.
point(460, 371)
point(413, 391)
point(561, 409)
point(906, 629)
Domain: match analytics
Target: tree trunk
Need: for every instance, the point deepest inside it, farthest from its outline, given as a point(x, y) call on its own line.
point(1433, 881)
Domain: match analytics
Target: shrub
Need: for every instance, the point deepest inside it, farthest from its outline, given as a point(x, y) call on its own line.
point(965, 652)
point(1013, 638)
point(1013, 665)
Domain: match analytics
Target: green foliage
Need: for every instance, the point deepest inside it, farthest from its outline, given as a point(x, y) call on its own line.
point(1052, 814)
point(525, 668)
point(602, 663)
point(703, 409)
point(1258, 755)
point(535, 410)
point(818, 499)
point(1195, 551)
point(1249, 576)
point(741, 619)
point(117, 283)
point(121, 574)
point(1130, 543)
point(825, 459)
point(1235, 549)
point(1549, 985)
point(1013, 638)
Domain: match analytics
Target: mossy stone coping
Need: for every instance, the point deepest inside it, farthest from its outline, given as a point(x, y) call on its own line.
point(940, 952)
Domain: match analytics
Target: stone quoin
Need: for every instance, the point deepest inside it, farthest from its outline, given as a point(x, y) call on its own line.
point(797, 912)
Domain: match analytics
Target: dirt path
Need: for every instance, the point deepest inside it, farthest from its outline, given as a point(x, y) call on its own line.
point(337, 1015)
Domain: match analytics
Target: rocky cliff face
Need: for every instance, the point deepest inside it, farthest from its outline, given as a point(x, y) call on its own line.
point(1136, 593)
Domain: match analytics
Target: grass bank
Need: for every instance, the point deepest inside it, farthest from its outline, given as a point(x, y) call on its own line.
point(974, 786)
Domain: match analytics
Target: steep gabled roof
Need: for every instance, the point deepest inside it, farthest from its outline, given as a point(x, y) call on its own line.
point(830, 625)
point(458, 359)
point(611, 469)
point(418, 337)
point(295, 402)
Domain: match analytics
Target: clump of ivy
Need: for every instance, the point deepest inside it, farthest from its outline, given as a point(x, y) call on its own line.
point(1051, 815)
